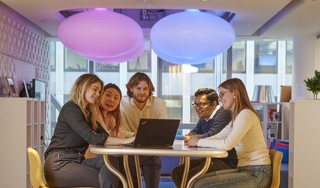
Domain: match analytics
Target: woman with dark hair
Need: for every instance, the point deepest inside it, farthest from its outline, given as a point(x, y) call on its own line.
point(245, 134)
point(110, 113)
point(78, 126)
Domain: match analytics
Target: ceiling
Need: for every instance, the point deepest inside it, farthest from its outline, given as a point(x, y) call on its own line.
point(254, 18)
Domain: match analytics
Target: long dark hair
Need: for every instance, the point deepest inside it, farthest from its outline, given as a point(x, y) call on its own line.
point(116, 112)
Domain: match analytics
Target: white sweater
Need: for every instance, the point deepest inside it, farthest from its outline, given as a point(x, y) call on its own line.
point(246, 136)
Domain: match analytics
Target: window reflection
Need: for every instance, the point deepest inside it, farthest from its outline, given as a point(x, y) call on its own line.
point(141, 63)
point(289, 57)
point(208, 67)
point(238, 57)
point(105, 67)
point(193, 114)
point(53, 56)
point(74, 62)
point(174, 106)
point(265, 60)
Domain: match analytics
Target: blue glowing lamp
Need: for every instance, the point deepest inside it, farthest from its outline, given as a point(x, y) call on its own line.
point(191, 37)
point(179, 60)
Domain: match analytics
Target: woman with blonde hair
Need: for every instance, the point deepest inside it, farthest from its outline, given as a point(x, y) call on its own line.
point(77, 127)
point(245, 134)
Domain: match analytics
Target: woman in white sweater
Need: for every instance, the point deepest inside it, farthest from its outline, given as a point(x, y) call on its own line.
point(245, 134)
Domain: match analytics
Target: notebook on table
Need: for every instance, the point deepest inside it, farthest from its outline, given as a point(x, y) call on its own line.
point(155, 132)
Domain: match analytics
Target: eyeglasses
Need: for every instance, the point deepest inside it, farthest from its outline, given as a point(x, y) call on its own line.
point(201, 104)
point(222, 93)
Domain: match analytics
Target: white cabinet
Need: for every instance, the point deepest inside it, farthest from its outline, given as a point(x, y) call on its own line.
point(271, 115)
point(304, 152)
point(22, 122)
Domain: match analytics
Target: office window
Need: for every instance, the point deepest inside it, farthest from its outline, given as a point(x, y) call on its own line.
point(177, 83)
point(74, 62)
point(265, 60)
point(289, 57)
point(174, 106)
point(141, 63)
point(106, 67)
point(239, 57)
point(207, 67)
point(52, 56)
point(193, 114)
point(169, 67)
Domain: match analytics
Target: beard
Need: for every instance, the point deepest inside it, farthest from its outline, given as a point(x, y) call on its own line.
point(140, 99)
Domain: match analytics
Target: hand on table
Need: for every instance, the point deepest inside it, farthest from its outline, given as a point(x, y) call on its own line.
point(186, 138)
point(193, 141)
point(128, 140)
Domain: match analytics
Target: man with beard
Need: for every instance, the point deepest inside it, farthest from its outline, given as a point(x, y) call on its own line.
point(212, 120)
point(139, 103)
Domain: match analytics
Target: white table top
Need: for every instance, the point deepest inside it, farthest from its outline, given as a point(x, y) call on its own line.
point(178, 149)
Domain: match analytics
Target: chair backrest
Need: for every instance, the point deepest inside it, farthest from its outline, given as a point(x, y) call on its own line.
point(36, 173)
point(276, 158)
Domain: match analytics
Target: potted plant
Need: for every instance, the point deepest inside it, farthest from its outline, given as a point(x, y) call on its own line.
point(313, 84)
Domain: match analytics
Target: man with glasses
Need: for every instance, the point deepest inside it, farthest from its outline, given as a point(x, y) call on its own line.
point(212, 120)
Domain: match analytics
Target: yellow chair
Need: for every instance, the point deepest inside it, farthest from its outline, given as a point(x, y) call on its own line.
point(36, 173)
point(276, 158)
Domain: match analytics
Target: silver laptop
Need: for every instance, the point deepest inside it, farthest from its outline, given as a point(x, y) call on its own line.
point(156, 132)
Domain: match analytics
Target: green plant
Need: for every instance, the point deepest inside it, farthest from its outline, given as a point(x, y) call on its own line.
point(313, 84)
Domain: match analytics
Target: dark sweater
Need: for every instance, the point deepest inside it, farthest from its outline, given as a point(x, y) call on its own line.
point(74, 132)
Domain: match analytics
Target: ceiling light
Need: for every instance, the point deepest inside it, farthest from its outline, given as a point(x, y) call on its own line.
point(191, 37)
point(102, 35)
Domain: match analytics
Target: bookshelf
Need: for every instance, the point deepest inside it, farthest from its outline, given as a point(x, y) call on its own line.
point(22, 125)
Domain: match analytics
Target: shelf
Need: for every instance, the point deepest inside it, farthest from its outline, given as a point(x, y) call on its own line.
point(267, 113)
point(303, 131)
point(28, 129)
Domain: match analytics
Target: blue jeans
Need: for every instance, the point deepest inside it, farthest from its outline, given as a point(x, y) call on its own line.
point(252, 176)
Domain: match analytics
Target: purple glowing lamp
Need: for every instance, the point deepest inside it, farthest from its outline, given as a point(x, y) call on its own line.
point(101, 33)
point(122, 58)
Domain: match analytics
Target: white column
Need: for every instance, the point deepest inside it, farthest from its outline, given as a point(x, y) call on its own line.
point(123, 78)
point(281, 66)
point(304, 56)
point(154, 71)
point(249, 82)
point(186, 98)
point(60, 72)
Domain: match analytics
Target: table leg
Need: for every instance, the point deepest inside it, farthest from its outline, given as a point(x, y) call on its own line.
point(115, 171)
point(127, 169)
point(181, 160)
point(137, 162)
point(186, 172)
point(201, 173)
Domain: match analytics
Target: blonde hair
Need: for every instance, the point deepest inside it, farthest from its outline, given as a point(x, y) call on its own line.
point(242, 100)
point(78, 96)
